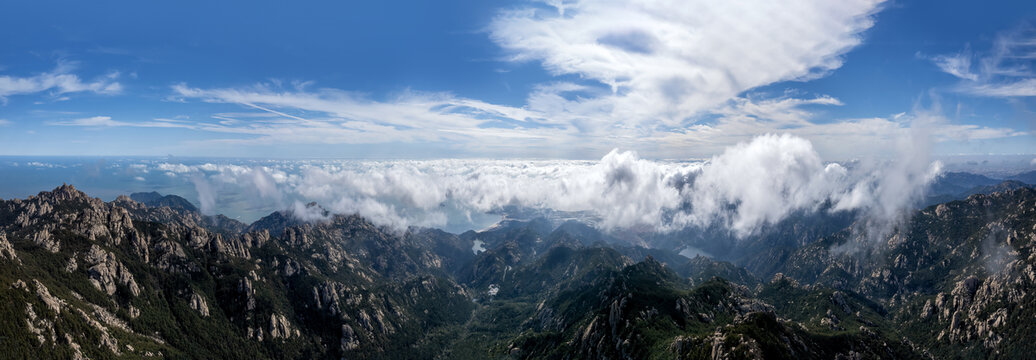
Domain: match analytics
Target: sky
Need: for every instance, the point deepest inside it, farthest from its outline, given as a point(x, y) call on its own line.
point(554, 79)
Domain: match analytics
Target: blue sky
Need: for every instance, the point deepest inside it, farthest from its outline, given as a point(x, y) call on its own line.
point(512, 79)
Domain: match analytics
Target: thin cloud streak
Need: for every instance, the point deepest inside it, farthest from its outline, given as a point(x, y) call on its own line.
point(106, 121)
point(1005, 71)
point(335, 117)
point(665, 78)
point(58, 81)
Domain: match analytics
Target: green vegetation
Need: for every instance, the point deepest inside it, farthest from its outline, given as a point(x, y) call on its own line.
point(181, 288)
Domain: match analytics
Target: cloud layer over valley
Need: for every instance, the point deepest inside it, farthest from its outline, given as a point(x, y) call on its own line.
point(748, 186)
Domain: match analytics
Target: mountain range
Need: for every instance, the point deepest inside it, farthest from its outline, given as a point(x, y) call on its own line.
point(149, 276)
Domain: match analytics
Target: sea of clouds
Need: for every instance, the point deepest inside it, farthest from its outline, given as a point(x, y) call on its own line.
point(746, 187)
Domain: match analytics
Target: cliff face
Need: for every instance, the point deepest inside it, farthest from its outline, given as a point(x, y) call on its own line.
point(168, 281)
point(82, 278)
point(958, 277)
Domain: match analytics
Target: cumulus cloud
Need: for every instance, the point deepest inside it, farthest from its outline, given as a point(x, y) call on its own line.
point(621, 189)
point(762, 181)
point(747, 187)
point(258, 185)
point(174, 168)
point(882, 189)
point(58, 81)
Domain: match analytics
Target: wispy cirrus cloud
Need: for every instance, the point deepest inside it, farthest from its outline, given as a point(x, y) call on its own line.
point(647, 67)
point(1006, 70)
point(331, 116)
point(340, 117)
point(1020, 88)
point(744, 118)
point(107, 121)
point(59, 81)
point(958, 65)
point(666, 78)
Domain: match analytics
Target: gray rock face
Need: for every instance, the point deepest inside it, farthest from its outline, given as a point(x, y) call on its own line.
point(247, 290)
point(349, 339)
point(124, 248)
point(255, 239)
point(376, 287)
point(106, 272)
point(7, 250)
point(967, 266)
point(326, 296)
point(291, 267)
point(53, 303)
point(45, 239)
point(280, 328)
point(170, 256)
point(197, 302)
point(216, 243)
point(72, 264)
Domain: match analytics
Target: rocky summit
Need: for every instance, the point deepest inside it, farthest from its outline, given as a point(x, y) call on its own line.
point(148, 276)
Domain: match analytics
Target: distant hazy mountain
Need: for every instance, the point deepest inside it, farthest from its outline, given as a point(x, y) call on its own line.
point(1025, 177)
point(959, 185)
point(154, 199)
point(959, 182)
point(147, 276)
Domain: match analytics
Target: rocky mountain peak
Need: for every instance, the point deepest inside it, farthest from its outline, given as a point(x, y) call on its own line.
point(65, 192)
point(75, 271)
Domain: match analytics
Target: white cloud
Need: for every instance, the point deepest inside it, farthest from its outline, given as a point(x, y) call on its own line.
point(90, 121)
point(1006, 70)
point(667, 60)
point(662, 64)
point(744, 118)
point(341, 117)
point(763, 181)
point(958, 65)
point(1026, 87)
point(106, 121)
point(975, 132)
point(5, 122)
point(59, 81)
point(337, 117)
point(883, 189)
point(174, 168)
point(139, 168)
point(44, 165)
point(669, 79)
point(750, 185)
point(206, 193)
